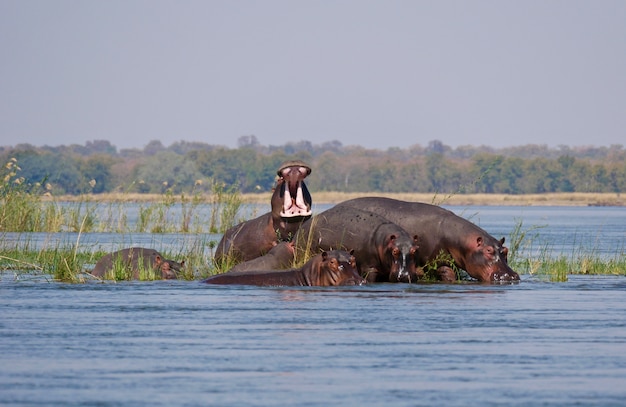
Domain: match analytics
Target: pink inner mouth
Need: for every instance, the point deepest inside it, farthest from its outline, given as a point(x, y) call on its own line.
point(294, 206)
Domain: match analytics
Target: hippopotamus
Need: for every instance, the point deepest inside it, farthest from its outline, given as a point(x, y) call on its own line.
point(384, 251)
point(331, 268)
point(136, 260)
point(294, 197)
point(441, 231)
point(290, 206)
point(279, 257)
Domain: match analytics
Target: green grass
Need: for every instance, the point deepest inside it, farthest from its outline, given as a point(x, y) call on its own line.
point(22, 209)
point(544, 265)
point(72, 263)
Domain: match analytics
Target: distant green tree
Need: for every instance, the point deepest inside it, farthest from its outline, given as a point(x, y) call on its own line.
point(412, 177)
point(60, 172)
point(565, 179)
point(617, 176)
point(438, 174)
point(511, 171)
point(167, 171)
point(600, 179)
point(96, 170)
point(487, 172)
point(153, 147)
point(330, 174)
point(252, 167)
point(541, 175)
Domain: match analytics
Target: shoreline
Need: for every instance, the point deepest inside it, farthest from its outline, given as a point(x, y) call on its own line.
point(548, 199)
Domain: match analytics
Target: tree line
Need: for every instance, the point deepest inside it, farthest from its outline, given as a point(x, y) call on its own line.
point(98, 167)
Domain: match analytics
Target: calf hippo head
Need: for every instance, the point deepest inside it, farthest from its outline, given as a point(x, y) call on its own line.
point(403, 260)
point(292, 198)
point(400, 254)
point(336, 267)
point(169, 268)
point(488, 262)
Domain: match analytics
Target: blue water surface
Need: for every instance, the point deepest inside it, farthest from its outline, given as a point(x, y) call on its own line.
point(183, 343)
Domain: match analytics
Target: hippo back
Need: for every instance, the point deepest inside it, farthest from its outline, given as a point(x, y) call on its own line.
point(441, 230)
point(279, 258)
point(380, 246)
point(323, 269)
point(135, 260)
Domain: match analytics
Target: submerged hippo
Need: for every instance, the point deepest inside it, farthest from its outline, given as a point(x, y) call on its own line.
point(136, 259)
point(279, 257)
point(332, 268)
point(291, 205)
point(474, 250)
point(384, 251)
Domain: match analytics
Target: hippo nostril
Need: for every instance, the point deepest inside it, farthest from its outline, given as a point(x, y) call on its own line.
point(505, 277)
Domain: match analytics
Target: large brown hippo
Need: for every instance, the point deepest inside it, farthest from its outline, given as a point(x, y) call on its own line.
point(474, 250)
point(279, 257)
point(332, 268)
point(291, 205)
point(135, 260)
point(384, 251)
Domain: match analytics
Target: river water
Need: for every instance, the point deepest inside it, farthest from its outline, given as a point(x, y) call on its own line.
point(183, 343)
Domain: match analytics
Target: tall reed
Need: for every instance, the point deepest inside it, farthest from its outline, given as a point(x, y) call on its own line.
point(20, 208)
point(226, 203)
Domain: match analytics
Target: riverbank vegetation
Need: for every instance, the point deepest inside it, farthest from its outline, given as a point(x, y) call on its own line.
point(98, 167)
point(27, 207)
point(72, 263)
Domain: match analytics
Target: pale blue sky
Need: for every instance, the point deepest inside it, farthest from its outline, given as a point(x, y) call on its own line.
point(373, 73)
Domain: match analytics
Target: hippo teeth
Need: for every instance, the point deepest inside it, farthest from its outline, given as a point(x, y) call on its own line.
point(295, 207)
point(300, 198)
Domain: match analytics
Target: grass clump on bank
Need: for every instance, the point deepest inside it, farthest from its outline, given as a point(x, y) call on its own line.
point(525, 242)
point(30, 208)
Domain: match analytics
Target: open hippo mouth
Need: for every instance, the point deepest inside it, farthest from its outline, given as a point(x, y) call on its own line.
point(295, 195)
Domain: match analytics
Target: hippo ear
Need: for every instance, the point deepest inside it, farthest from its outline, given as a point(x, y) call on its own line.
point(157, 260)
point(479, 241)
point(351, 252)
point(182, 263)
point(502, 240)
point(416, 239)
point(324, 256)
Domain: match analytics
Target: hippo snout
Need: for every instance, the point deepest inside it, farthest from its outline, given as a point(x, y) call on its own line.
point(355, 281)
point(504, 276)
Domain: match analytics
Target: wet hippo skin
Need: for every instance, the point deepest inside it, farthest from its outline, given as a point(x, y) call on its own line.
point(474, 250)
point(290, 206)
point(332, 268)
point(136, 259)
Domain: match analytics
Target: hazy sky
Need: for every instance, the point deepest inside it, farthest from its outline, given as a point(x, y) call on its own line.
point(373, 73)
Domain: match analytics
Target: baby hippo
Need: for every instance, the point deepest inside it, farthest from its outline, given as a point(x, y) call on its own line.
point(331, 268)
point(137, 259)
